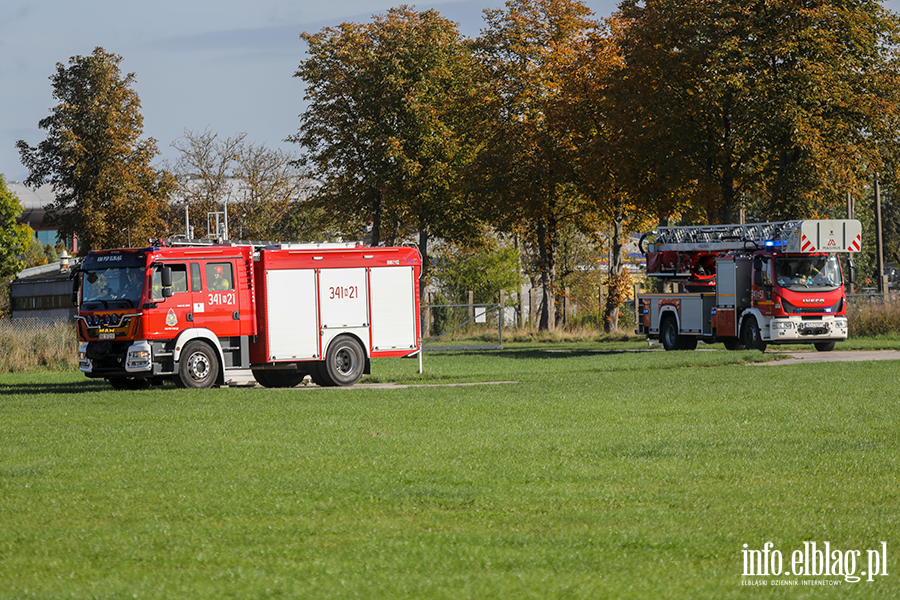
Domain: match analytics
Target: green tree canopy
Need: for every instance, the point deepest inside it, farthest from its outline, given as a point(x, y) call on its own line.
point(786, 103)
point(527, 165)
point(107, 192)
point(15, 239)
point(383, 126)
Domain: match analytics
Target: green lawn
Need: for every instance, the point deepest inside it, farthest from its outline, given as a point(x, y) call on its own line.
point(593, 474)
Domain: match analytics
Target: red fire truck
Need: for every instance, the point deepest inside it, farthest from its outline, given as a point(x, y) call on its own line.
point(749, 285)
point(204, 315)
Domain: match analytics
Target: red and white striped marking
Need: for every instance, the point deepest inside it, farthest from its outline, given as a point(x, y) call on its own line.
point(805, 244)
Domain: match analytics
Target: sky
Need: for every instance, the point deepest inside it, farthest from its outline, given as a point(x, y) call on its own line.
point(225, 66)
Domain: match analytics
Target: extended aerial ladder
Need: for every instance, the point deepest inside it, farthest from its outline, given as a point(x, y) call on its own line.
point(688, 253)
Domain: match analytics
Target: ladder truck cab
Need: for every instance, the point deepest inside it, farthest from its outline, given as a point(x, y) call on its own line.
point(749, 285)
point(207, 314)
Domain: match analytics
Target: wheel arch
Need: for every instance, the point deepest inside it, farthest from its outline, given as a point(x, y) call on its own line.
point(668, 312)
point(200, 333)
point(363, 342)
point(761, 321)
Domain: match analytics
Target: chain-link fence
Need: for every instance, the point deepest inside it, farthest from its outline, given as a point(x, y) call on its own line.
point(36, 344)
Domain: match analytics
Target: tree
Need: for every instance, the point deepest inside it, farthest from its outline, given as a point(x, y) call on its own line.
point(107, 193)
point(789, 103)
point(526, 168)
point(259, 186)
point(383, 127)
point(15, 240)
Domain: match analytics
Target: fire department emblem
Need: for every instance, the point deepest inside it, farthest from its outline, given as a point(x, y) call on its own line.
point(171, 319)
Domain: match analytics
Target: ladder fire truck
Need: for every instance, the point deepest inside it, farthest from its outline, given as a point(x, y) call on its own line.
point(749, 285)
point(204, 315)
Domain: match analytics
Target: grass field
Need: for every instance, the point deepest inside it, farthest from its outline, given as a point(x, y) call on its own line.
point(589, 475)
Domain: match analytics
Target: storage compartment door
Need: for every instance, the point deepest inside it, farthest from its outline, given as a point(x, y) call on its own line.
point(292, 328)
point(393, 308)
point(342, 297)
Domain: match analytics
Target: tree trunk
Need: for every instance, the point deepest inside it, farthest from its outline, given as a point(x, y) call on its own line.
point(423, 250)
point(615, 294)
point(547, 264)
point(376, 219)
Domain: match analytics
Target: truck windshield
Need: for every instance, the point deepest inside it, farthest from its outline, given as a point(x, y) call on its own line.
point(808, 272)
point(114, 287)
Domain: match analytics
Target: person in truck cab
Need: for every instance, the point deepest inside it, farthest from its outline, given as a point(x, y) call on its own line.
point(219, 282)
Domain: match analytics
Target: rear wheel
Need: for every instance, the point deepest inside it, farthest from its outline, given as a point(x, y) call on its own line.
point(668, 334)
point(198, 366)
point(751, 336)
point(671, 340)
point(344, 361)
point(824, 346)
point(279, 379)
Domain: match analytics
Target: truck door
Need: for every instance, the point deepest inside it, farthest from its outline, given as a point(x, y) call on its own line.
point(167, 316)
point(217, 305)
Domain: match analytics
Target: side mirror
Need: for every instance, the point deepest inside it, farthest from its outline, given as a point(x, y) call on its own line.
point(76, 286)
point(757, 277)
point(852, 272)
point(167, 282)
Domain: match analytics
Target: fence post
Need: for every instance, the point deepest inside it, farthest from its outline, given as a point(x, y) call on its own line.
point(426, 318)
point(471, 304)
point(520, 318)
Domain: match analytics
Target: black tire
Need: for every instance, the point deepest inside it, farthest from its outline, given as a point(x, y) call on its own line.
point(824, 346)
point(733, 344)
point(688, 342)
point(345, 361)
point(129, 383)
point(316, 371)
point(279, 379)
point(751, 336)
point(198, 366)
point(668, 334)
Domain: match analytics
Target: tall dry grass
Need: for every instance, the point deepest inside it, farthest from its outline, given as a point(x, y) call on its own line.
point(874, 315)
point(33, 345)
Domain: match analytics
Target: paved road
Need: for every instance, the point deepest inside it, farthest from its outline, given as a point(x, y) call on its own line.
point(833, 356)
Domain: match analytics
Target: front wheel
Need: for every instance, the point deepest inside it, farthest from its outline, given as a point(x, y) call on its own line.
point(733, 344)
point(198, 366)
point(344, 361)
point(751, 335)
point(824, 346)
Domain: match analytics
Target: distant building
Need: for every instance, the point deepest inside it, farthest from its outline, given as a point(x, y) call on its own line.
point(35, 202)
point(44, 292)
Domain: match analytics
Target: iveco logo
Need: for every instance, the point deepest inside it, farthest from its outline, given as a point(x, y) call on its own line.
point(813, 301)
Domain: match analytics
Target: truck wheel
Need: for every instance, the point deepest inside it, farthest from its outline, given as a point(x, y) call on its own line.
point(278, 379)
point(129, 383)
point(751, 336)
point(824, 346)
point(344, 361)
point(316, 373)
point(668, 334)
point(733, 344)
point(198, 366)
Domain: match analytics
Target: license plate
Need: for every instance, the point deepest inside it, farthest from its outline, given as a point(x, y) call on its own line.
point(107, 335)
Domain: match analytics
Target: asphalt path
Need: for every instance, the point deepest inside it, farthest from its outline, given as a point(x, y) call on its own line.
point(793, 357)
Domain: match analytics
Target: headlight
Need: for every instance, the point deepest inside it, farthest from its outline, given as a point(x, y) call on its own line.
point(782, 325)
point(138, 357)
